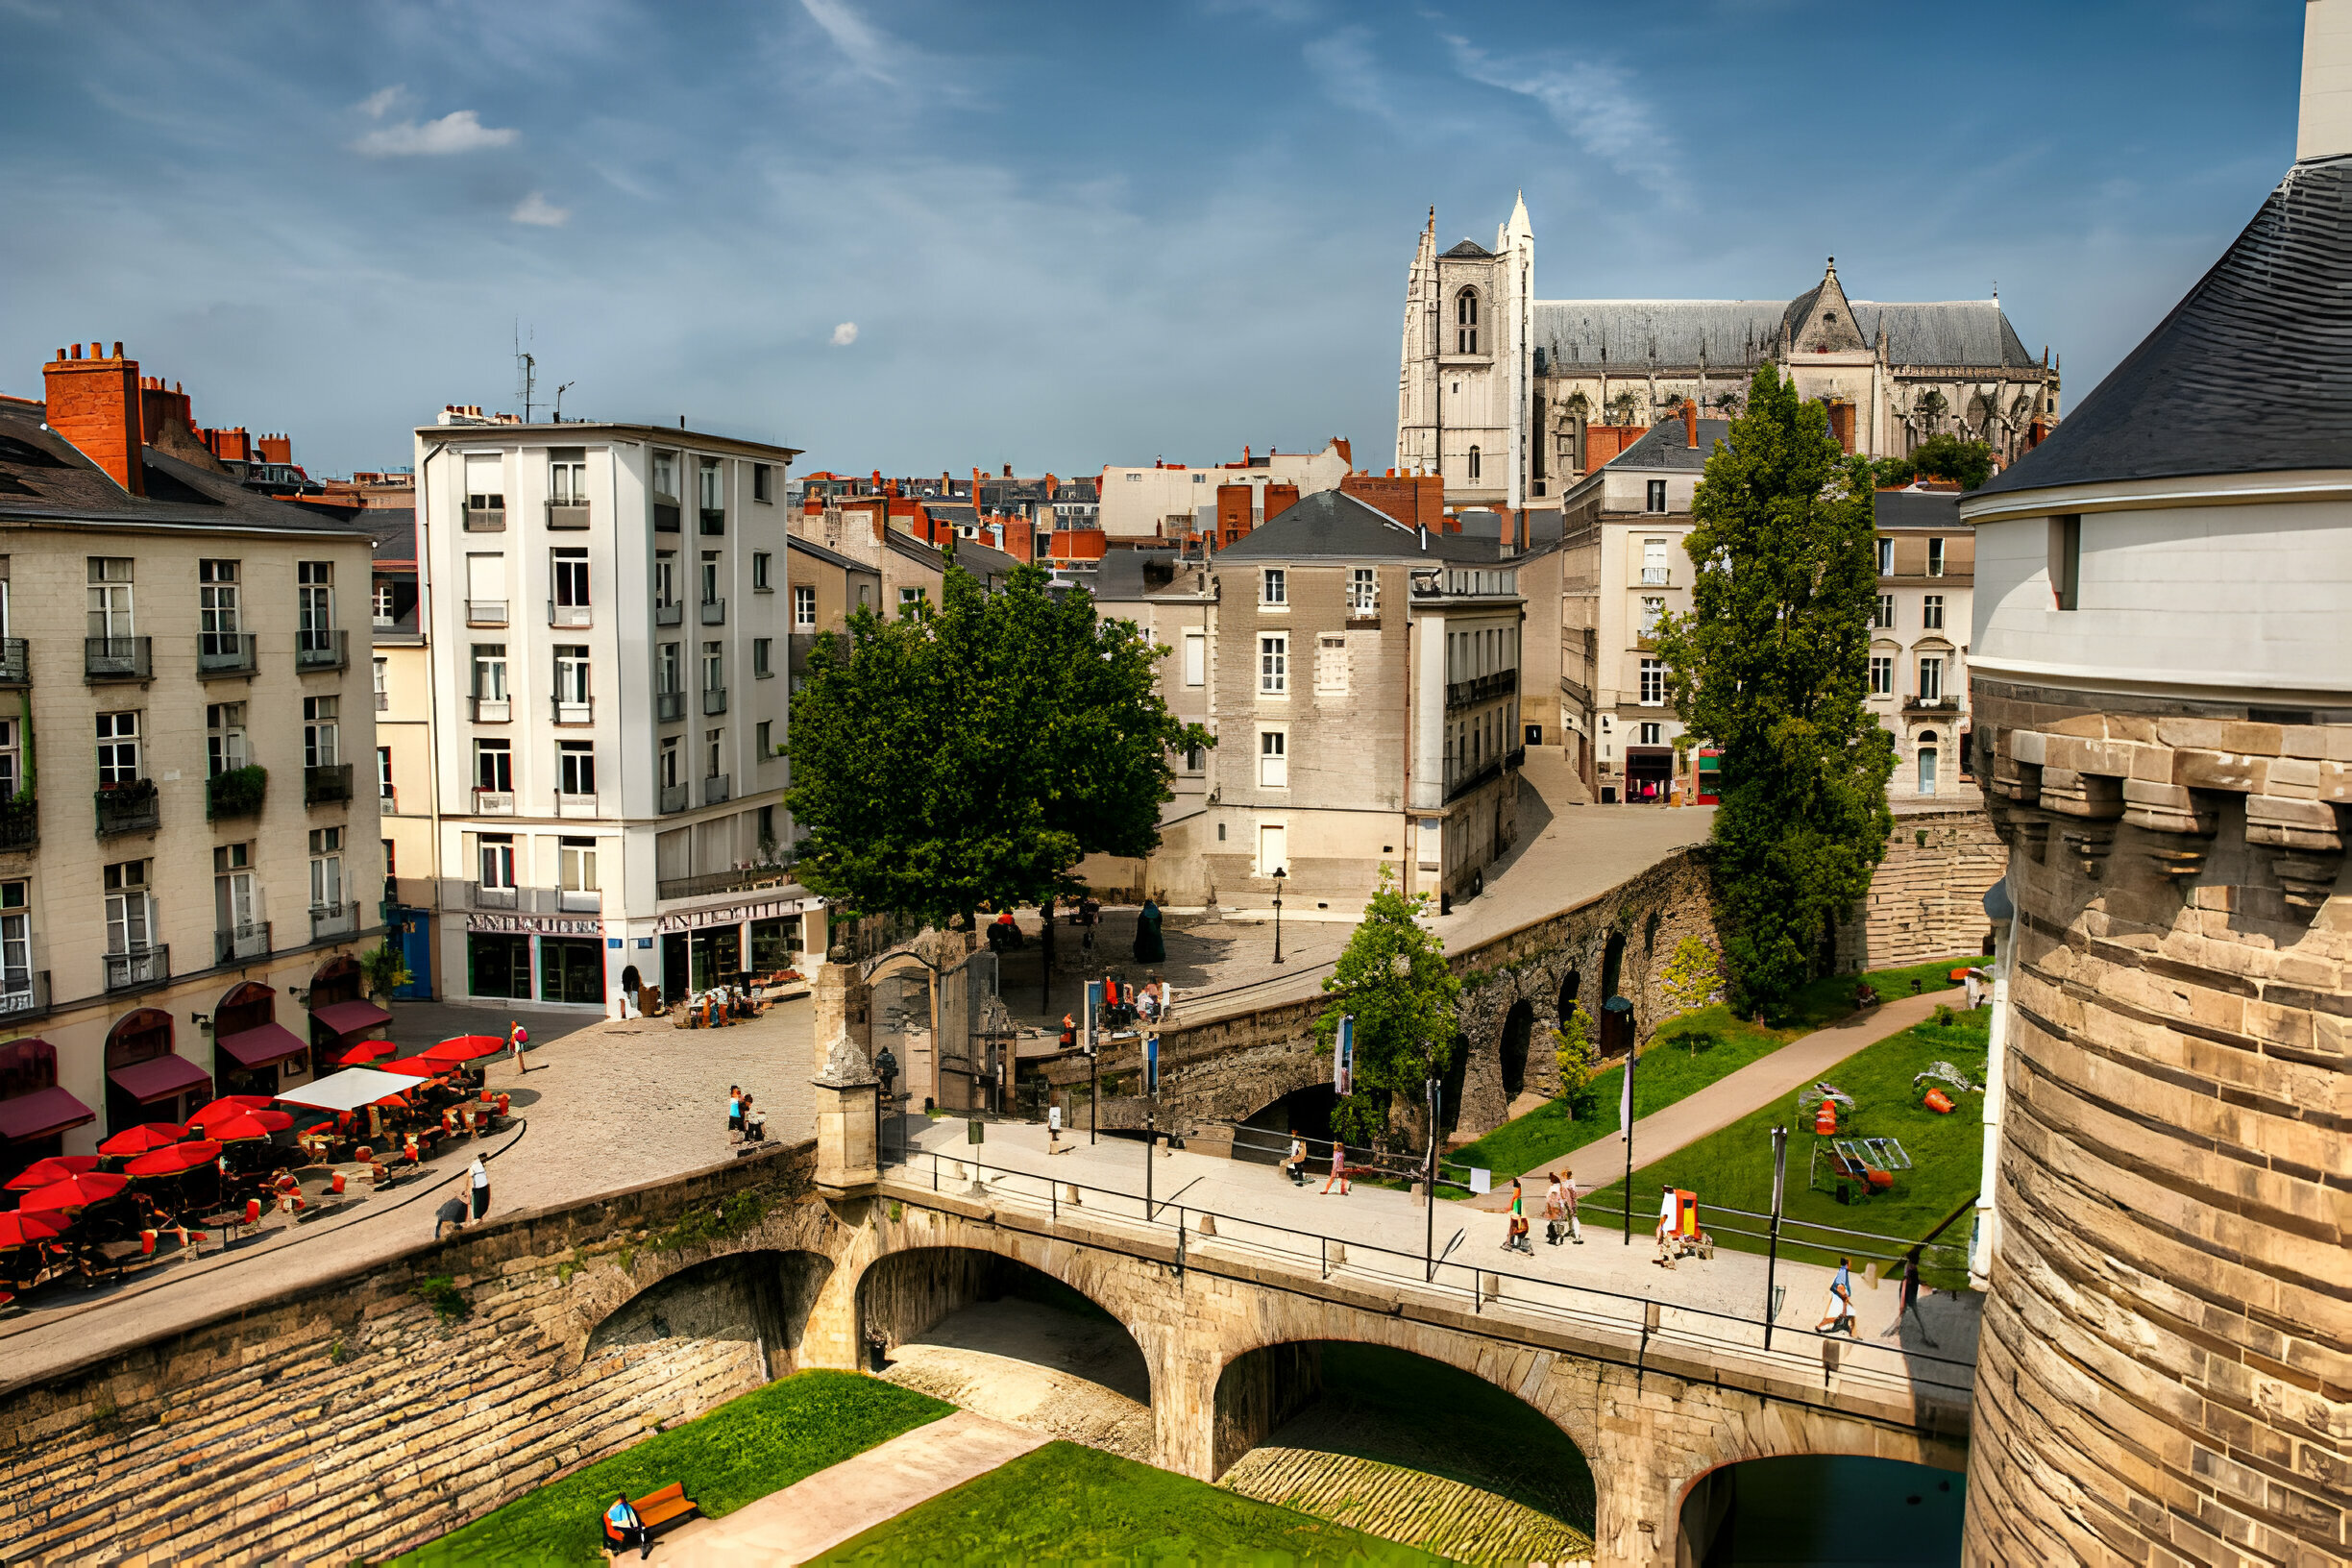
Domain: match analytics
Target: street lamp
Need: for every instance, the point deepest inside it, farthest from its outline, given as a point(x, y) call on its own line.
point(886, 1064)
point(1279, 875)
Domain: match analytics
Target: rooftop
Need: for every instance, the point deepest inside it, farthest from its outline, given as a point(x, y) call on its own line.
point(1935, 509)
point(44, 476)
point(1328, 526)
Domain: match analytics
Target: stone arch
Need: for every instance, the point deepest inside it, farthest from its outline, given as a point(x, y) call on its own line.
point(1571, 991)
point(1518, 1028)
point(759, 1299)
point(1848, 1489)
point(1612, 965)
point(1306, 1110)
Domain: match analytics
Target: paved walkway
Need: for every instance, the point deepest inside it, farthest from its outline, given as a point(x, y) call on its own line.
point(1725, 1101)
point(811, 1517)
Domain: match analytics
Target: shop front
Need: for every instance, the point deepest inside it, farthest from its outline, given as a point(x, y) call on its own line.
point(255, 1053)
point(1709, 779)
point(145, 1081)
point(34, 1113)
point(1649, 772)
point(566, 951)
point(720, 946)
point(340, 1017)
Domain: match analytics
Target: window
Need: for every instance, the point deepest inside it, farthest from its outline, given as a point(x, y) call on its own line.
point(1474, 462)
point(391, 861)
point(1654, 570)
point(1195, 658)
point(1652, 734)
point(762, 745)
point(1927, 757)
point(1886, 558)
point(711, 496)
point(314, 600)
point(109, 596)
point(224, 737)
point(665, 577)
point(1195, 758)
point(129, 907)
point(568, 482)
point(804, 608)
point(490, 671)
point(571, 570)
point(667, 668)
point(714, 667)
point(15, 936)
point(572, 675)
point(1274, 664)
point(1935, 557)
point(763, 650)
point(714, 752)
point(1273, 759)
point(670, 762)
point(497, 860)
point(1884, 616)
point(1931, 612)
point(325, 869)
point(1331, 665)
point(493, 766)
point(11, 757)
point(384, 772)
point(1363, 591)
point(1274, 586)
point(1882, 674)
point(575, 767)
point(2064, 563)
point(1653, 609)
point(759, 572)
point(665, 474)
point(1466, 323)
point(118, 750)
point(1272, 847)
point(763, 480)
point(218, 609)
point(1653, 683)
point(380, 677)
point(380, 604)
point(485, 477)
point(575, 866)
point(710, 577)
point(236, 896)
point(1656, 501)
point(909, 598)
point(321, 733)
point(1931, 679)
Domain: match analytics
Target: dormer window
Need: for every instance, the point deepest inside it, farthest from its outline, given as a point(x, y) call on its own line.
point(1465, 322)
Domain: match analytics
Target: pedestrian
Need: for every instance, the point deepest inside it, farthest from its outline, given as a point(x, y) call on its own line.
point(449, 1217)
point(628, 1527)
point(735, 1111)
point(754, 1123)
point(1568, 1196)
point(1909, 1304)
point(1069, 1033)
point(1338, 1170)
point(1053, 1128)
point(1295, 1163)
point(1518, 1214)
point(517, 1037)
point(1838, 1308)
point(1666, 1227)
point(481, 1174)
point(1555, 1212)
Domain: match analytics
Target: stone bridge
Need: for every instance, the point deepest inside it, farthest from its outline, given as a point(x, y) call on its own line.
point(352, 1420)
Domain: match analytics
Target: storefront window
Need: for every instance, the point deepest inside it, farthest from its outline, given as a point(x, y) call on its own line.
point(571, 970)
point(499, 965)
point(772, 945)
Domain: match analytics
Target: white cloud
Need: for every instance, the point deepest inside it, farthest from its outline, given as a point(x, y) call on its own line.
point(375, 105)
point(536, 209)
point(1598, 105)
point(461, 132)
point(844, 334)
point(867, 49)
point(1342, 61)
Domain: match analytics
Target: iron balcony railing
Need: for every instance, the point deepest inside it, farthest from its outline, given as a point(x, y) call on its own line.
point(668, 706)
point(19, 822)
point(676, 797)
point(333, 920)
point(714, 700)
point(140, 966)
point(321, 648)
point(716, 788)
point(669, 615)
point(251, 939)
point(567, 514)
point(236, 791)
point(1469, 781)
point(15, 662)
point(1462, 694)
point(116, 658)
point(710, 882)
point(133, 807)
point(714, 612)
point(326, 783)
point(227, 652)
point(485, 612)
point(24, 991)
point(383, 702)
point(485, 519)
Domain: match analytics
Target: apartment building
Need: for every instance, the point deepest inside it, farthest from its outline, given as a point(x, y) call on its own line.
point(1169, 597)
point(408, 808)
point(878, 533)
point(1166, 500)
point(1919, 686)
point(187, 871)
point(608, 631)
point(827, 588)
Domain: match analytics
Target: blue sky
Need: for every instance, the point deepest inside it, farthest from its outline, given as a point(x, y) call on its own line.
point(1066, 235)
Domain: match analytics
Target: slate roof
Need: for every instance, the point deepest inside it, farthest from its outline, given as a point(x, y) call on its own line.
point(1119, 575)
point(806, 547)
point(1632, 334)
point(1932, 509)
point(394, 530)
point(2250, 373)
point(44, 475)
point(1328, 525)
point(1666, 449)
point(1470, 250)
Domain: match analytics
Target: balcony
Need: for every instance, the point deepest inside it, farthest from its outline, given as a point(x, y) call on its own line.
point(485, 612)
point(1515, 757)
point(240, 942)
point(714, 612)
point(491, 710)
point(326, 783)
point(488, 897)
point(567, 514)
point(668, 707)
point(383, 702)
point(227, 653)
point(669, 615)
point(19, 822)
point(24, 994)
point(735, 881)
point(485, 519)
point(1462, 694)
point(575, 805)
point(494, 802)
point(1657, 577)
point(573, 712)
point(331, 921)
point(665, 517)
point(15, 662)
point(321, 648)
point(714, 700)
point(571, 617)
point(1925, 705)
point(716, 788)
point(236, 791)
point(711, 520)
point(140, 966)
point(116, 658)
point(129, 808)
point(676, 797)
point(580, 901)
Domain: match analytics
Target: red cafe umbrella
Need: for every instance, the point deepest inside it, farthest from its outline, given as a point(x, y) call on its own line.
point(464, 1048)
point(225, 1108)
point(75, 1191)
point(144, 1138)
point(55, 1169)
point(177, 1160)
point(366, 1051)
point(251, 1125)
point(421, 1065)
point(21, 1229)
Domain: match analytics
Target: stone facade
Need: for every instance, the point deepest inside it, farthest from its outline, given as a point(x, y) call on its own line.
point(1927, 898)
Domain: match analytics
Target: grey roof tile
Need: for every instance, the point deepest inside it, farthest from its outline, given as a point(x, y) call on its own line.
point(1328, 525)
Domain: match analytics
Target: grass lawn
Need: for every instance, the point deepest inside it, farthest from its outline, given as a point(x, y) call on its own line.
point(1067, 1504)
point(1733, 1168)
point(737, 1454)
point(1685, 1056)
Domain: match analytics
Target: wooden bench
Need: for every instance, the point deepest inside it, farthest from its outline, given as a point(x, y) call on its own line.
point(657, 1511)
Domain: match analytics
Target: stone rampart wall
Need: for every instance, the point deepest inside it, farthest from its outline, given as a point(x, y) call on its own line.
point(1926, 899)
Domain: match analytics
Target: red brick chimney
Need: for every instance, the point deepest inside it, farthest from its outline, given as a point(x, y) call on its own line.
point(1690, 424)
point(278, 448)
point(95, 403)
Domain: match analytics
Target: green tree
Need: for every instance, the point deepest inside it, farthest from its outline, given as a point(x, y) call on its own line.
point(1394, 978)
point(1771, 666)
point(966, 757)
point(1574, 1050)
point(1965, 463)
point(1689, 983)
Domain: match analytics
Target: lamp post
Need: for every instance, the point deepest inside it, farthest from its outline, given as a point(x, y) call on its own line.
point(886, 1064)
point(1279, 875)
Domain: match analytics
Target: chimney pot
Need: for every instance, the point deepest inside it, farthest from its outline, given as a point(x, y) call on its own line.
point(118, 353)
point(1690, 424)
point(77, 351)
point(94, 351)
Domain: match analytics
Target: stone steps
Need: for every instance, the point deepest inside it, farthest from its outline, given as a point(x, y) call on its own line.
point(1449, 1517)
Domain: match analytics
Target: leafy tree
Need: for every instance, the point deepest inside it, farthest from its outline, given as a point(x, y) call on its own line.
point(1967, 463)
point(384, 969)
point(1574, 1051)
point(1771, 666)
point(1689, 983)
point(1393, 977)
point(966, 757)
point(1623, 405)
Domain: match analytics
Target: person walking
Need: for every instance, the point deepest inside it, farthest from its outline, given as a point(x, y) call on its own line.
point(1070, 1032)
point(1338, 1170)
point(1666, 1227)
point(1517, 1226)
point(1839, 1306)
point(449, 1217)
point(628, 1527)
point(1053, 1128)
point(1294, 1165)
point(735, 1111)
point(1559, 1211)
point(481, 1174)
point(1908, 1306)
point(517, 1037)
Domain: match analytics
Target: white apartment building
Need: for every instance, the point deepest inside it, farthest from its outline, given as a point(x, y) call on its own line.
point(1165, 501)
point(609, 627)
point(1919, 686)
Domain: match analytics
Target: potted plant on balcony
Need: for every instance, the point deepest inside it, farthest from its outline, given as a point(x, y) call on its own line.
point(236, 792)
point(383, 972)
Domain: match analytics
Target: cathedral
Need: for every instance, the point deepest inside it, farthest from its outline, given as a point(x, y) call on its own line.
point(1512, 398)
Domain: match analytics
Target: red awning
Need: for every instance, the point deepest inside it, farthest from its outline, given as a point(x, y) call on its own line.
point(159, 1078)
point(262, 1047)
point(350, 1018)
point(41, 1114)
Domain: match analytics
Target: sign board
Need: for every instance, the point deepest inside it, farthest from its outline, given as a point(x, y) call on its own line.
point(976, 1132)
point(1094, 1008)
point(541, 926)
point(695, 920)
point(1481, 1181)
point(1151, 1063)
point(1343, 1057)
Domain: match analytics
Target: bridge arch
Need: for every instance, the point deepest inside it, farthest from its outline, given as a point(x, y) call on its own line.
point(1813, 1505)
point(1518, 1029)
point(760, 1299)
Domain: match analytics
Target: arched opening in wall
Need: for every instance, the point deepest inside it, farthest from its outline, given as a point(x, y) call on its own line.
point(1827, 1509)
point(1518, 1026)
point(993, 1335)
point(1450, 1087)
point(755, 1306)
point(1405, 1448)
point(1264, 1136)
point(1612, 965)
point(1572, 992)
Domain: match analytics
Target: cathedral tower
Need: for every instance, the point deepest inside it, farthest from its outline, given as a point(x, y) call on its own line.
point(1465, 383)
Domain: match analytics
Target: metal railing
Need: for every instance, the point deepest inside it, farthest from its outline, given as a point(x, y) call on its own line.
point(734, 881)
point(1481, 688)
point(252, 940)
point(671, 614)
point(1657, 577)
point(1471, 780)
point(571, 617)
point(15, 662)
point(236, 792)
point(493, 802)
point(19, 823)
point(493, 710)
point(333, 920)
point(668, 707)
point(485, 519)
point(24, 994)
point(321, 648)
point(676, 797)
point(665, 517)
point(141, 966)
point(569, 711)
point(383, 702)
point(714, 700)
point(227, 652)
point(563, 514)
point(325, 783)
point(579, 900)
point(485, 612)
point(488, 897)
point(130, 808)
point(116, 658)
point(714, 612)
point(716, 788)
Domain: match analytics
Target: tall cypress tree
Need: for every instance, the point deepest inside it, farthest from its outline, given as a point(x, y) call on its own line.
point(1771, 666)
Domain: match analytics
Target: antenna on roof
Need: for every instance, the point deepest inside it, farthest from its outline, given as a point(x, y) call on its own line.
point(526, 372)
point(559, 392)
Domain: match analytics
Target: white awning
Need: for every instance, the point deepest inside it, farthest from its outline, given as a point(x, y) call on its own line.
point(349, 1089)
